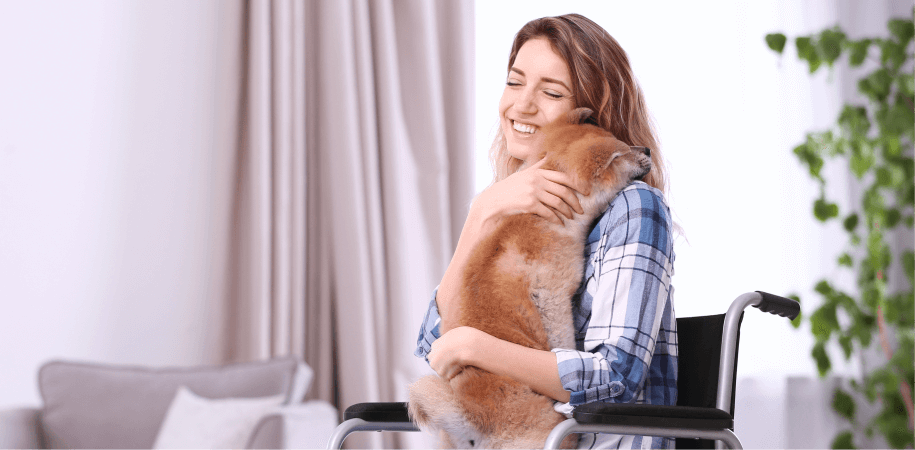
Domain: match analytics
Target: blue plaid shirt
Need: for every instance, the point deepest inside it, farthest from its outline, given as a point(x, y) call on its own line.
point(626, 341)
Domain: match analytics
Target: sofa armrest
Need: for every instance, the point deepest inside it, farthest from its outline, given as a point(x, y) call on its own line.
point(304, 425)
point(19, 428)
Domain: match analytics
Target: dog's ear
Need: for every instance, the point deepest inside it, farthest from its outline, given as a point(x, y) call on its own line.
point(579, 115)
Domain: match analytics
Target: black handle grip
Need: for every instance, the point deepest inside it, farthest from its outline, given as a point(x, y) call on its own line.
point(378, 412)
point(779, 306)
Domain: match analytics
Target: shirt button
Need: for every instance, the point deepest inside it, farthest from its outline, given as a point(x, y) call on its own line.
point(616, 388)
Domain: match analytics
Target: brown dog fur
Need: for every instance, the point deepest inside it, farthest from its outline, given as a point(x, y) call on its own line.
point(518, 287)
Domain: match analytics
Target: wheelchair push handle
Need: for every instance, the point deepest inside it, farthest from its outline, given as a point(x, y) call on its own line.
point(779, 306)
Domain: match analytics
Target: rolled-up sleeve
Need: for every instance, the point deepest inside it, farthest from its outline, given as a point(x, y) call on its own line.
point(428, 330)
point(628, 291)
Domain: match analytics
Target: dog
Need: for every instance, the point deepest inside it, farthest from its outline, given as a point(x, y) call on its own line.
point(518, 286)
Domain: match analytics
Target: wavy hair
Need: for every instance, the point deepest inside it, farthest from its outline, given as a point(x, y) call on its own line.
point(602, 81)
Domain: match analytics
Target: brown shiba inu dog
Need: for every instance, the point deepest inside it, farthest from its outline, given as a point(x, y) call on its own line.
point(518, 287)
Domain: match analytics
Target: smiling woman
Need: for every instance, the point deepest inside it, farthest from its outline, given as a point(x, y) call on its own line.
point(625, 332)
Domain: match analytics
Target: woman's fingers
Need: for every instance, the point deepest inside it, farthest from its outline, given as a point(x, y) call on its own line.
point(561, 185)
point(566, 180)
point(559, 204)
point(563, 194)
point(548, 213)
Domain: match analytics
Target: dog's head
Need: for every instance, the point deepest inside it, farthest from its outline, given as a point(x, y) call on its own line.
point(591, 154)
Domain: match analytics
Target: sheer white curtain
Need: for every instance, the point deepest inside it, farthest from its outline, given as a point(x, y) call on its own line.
point(354, 174)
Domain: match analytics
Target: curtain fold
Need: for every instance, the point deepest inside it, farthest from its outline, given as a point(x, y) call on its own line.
point(353, 179)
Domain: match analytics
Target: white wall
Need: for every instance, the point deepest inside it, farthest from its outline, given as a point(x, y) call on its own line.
point(116, 125)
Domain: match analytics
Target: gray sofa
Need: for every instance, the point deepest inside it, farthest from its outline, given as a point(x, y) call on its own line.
point(104, 406)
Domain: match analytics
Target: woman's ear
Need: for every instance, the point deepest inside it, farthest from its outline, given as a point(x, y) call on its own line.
point(579, 115)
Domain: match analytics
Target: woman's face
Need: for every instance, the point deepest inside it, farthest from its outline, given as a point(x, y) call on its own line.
point(538, 91)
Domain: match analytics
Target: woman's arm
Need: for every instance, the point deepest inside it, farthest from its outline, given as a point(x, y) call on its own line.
point(466, 346)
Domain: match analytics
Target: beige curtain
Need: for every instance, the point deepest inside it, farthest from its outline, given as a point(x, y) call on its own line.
point(354, 174)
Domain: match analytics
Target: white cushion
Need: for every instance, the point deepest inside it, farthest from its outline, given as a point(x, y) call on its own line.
point(197, 422)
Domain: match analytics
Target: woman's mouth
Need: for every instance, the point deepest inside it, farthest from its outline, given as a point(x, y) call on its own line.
point(524, 128)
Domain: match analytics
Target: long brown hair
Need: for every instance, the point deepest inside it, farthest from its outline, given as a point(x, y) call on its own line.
point(602, 80)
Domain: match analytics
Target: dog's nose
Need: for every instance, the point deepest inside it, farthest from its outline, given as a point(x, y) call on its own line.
point(645, 150)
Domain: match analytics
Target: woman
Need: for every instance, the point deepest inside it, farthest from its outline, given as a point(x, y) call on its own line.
point(623, 314)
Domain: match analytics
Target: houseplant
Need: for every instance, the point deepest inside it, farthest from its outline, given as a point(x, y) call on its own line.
point(875, 140)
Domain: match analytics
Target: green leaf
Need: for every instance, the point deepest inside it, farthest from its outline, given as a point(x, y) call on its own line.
point(854, 120)
point(902, 30)
point(829, 44)
point(846, 344)
point(891, 52)
point(858, 51)
point(862, 157)
point(823, 321)
point(843, 404)
point(908, 197)
point(876, 86)
point(892, 217)
point(850, 222)
point(891, 176)
point(843, 440)
point(807, 52)
point(895, 119)
point(845, 260)
point(891, 146)
point(906, 83)
point(824, 210)
point(811, 157)
point(776, 42)
point(908, 265)
point(796, 322)
point(824, 288)
point(862, 329)
point(872, 201)
point(822, 359)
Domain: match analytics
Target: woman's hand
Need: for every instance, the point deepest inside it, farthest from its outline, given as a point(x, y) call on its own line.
point(467, 346)
point(547, 193)
point(454, 350)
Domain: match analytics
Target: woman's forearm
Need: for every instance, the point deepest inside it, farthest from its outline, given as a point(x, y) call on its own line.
point(534, 368)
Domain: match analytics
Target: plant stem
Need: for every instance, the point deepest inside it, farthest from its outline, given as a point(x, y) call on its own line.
point(903, 386)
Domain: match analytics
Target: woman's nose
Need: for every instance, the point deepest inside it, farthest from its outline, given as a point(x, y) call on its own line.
point(525, 102)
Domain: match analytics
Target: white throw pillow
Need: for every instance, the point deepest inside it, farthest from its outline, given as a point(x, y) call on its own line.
point(197, 422)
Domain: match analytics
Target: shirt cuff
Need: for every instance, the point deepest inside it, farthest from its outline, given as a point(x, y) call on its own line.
point(429, 330)
point(587, 378)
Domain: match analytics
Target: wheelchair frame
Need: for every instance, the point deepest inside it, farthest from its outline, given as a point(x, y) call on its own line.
point(650, 420)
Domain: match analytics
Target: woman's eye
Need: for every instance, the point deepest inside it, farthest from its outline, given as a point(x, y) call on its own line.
point(553, 94)
point(512, 83)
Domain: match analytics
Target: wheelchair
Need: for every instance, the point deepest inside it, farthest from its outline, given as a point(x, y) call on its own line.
point(707, 362)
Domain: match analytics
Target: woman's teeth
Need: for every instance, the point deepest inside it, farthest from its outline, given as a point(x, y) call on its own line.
point(529, 129)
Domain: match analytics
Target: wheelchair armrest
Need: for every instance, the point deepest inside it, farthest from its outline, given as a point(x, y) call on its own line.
point(780, 306)
point(378, 412)
point(652, 415)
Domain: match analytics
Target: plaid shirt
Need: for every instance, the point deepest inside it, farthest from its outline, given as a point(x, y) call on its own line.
point(626, 342)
